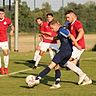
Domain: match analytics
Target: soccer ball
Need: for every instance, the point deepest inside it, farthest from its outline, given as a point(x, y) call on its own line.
point(30, 79)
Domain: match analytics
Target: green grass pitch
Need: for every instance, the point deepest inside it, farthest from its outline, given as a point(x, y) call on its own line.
point(14, 84)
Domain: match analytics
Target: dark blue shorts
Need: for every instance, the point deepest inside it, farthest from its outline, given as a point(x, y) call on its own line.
point(62, 57)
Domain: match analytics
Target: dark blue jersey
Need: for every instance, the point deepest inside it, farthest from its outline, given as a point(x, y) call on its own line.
point(66, 44)
point(65, 51)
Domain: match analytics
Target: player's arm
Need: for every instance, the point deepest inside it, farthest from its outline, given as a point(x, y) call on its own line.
point(74, 41)
point(46, 33)
point(80, 35)
point(47, 37)
point(12, 30)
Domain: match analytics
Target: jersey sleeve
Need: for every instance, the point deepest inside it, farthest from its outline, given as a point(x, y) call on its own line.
point(64, 32)
point(9, 22)
point(78, 25)
point(42, 28)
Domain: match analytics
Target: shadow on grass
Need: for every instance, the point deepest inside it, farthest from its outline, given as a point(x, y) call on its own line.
point(70, 82)
point(30, 65)
point(26, 87)
point(24, 63)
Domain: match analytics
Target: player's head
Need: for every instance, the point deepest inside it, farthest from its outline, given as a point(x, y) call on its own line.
point(2, 14)
point(70, 16)
point(54, 25)
point(39, 20)
point(49, 17)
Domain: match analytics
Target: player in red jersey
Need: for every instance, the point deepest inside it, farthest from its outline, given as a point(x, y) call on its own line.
point(4, 24)
point(76, 29)
point(47, 42)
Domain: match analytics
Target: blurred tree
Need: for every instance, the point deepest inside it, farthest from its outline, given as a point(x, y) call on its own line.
point(85, 12)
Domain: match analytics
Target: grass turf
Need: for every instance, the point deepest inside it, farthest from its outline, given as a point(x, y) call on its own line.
point(14, 85)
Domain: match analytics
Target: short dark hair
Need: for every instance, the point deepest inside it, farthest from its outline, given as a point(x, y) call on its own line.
point(1, 9)
point(69, 11)
point(39, 18)
point(49, 14)
point(53, 22)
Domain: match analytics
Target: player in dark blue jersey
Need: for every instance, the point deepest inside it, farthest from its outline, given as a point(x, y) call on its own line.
point(61, 58)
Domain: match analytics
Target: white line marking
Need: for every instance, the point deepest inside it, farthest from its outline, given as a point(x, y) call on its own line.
point(16, 72)
point(31, 68)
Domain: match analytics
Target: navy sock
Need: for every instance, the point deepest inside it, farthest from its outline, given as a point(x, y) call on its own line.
point(57, 76)
point(43, 73)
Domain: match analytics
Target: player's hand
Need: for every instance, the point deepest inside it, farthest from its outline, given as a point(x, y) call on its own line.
point(49, 33)
point(38, 48)
point(73, 43)
point(11, 33)
point(41, 37)
point(79, 47)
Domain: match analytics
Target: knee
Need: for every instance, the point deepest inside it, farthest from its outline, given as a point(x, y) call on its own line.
point(41, 53)
point(6, 52)
point(57, 67)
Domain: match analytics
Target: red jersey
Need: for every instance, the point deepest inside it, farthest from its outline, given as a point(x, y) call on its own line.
point(3, 29)
point(45, 28)
point(74, 27)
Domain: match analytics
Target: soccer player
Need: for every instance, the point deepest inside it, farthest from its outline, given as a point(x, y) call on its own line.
point(4, 23)
point(76, 29)
point(47, 42)
point(61, 58)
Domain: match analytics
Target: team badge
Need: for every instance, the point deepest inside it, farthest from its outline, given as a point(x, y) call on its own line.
point(5, 23)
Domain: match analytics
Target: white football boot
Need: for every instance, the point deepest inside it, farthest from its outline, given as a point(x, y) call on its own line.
point(81, 78)
point(87, 82)
point(55, 86)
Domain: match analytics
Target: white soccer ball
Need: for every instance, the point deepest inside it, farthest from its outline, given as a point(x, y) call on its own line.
point(30, 79)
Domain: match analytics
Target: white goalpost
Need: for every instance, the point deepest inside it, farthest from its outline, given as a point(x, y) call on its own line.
point(16, 27)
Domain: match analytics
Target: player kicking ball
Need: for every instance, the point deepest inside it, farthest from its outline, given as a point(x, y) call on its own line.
point(61, 58)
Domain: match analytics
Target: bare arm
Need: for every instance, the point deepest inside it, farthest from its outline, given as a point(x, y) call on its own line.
point(12, 30)
point(81, 33)
point(46, 33)
point(48, 37)
point(74, 41)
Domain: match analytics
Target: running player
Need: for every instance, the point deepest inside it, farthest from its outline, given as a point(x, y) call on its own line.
point(4, 23)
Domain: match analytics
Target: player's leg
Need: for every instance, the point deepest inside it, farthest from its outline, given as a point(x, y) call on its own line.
point(60, 58)
point(51, 53)
point(55, 61)
point(76, 54)
point(44, 73)
point(78, 71)
point(0, 58)
point(75, 57)
point(54, 49)
point(37, 51)
point(38, 59)
point(5, 50)
point(43, 49)
point(35, 54)
point(35, 57)
point(0, 66)
point(57, 78)
point(78, 63)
